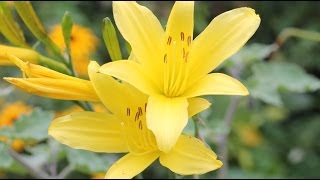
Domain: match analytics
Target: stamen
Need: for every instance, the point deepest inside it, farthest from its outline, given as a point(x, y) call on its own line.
point(183, 53)
point(145, 107)
point(140, 111)
point(182, 36)
point(128, 111)
point(186, 59)
point(140, 125)
point(169, 40)
point(165, 58)
point(189, 40)
point(137, 116)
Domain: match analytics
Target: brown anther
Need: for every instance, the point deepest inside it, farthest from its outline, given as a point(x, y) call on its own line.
point(183, 52)
point(189, 40)
point(165, 58)
point(186, 58)
point(145, 107)
point(140, 111)
point(169, 40)
point(182, 36)
point(137, 116)
point(140, 125)
point(128, 111)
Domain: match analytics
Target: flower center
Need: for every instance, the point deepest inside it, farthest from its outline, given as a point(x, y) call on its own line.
point(175, 62)
point(138, 136)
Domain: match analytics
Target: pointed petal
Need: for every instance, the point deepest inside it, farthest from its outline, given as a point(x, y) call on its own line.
point(56, 88)
point(166, 118)
point(132, 73)
point(181, 20)
point(196, 105)
point(131, 165)
point(224, 36)
point(141, 28)
point(190, 156)
point(216, 84)
point(98, 132)
point(113, 94)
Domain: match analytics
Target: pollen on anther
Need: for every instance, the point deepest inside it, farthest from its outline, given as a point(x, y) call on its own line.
point(169, 40)
point(189, 40)
point(182, 36)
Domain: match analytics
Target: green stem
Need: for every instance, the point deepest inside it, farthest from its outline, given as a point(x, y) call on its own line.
point(295, 32)
point(196, 127)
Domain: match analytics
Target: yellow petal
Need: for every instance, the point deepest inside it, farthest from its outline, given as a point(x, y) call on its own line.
point(180, 21)
point(98, 132)
point(56, 88)
point(131, 165)
point(132, 73)
point(224, 36)
point(166, 118)
point(197, 105)
point(216, 84)
point(143, 31)
point(113, 94)
point(190, 156)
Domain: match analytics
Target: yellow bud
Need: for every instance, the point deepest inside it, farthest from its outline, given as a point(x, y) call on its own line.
point(26, 55)
point(18, 145)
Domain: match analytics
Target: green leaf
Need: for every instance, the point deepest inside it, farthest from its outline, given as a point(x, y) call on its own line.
point(269, 79)
point(87, 162)
point(5, 159)
point(33, 126)
point(111, 39)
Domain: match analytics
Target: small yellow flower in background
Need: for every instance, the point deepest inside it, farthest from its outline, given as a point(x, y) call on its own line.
point(45, 82)
point(100, 175)
point(249, 135)
point(172, 66)
point(83, 43)
point(9, 114)
point(125, 131)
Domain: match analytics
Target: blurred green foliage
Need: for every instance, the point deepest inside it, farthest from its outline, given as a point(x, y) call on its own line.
point(275, 131)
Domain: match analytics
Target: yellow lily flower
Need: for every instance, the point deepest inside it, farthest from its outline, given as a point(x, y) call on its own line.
point(172, 67)
point(125, 131)
point(49, 83)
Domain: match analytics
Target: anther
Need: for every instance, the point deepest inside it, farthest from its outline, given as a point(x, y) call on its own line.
point(189, 40)
point(140, 110)
point(169, 40)
point(183, 53)
point(137, 116)
point(165, 58)
point(145, 107)
point(140, 125)
point(182, 36)
point(128, 111)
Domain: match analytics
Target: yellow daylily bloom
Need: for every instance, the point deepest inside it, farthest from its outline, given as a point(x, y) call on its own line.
point(125, 131)
point(22, 53)
point(49, 83)
point(173, 67)
point(82, 44)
